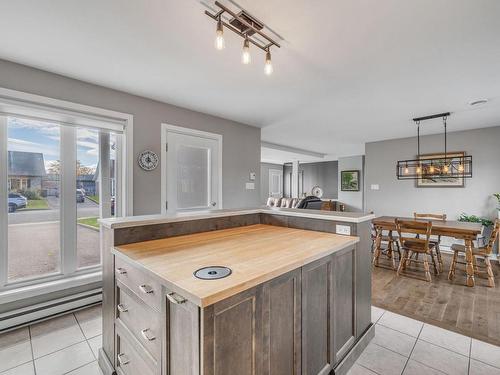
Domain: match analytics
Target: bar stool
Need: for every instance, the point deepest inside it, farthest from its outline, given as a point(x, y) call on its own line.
point(483, 252)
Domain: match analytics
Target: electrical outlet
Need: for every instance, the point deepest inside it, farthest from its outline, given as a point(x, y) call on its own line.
point(343, 229)
point(250, 186)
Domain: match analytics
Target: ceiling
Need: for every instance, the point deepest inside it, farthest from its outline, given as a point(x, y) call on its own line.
point(348, 72)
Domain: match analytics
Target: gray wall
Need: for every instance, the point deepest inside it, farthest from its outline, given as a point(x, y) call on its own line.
point(264, 179)
point(241, 143)
point(324, 174)
point(403, 198)
point(353, 200)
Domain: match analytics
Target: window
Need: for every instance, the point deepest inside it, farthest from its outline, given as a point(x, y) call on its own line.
point(57, 179)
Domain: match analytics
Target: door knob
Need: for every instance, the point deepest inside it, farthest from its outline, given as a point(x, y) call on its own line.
point(214, 204)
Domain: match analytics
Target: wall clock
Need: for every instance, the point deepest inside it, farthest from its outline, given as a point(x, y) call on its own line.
point(148, 160)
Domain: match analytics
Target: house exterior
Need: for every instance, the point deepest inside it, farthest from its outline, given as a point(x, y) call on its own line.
point(26, 170)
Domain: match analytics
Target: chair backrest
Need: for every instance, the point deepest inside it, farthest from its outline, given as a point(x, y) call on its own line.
point(493, 236)
point(429, 216)
point(422, 229)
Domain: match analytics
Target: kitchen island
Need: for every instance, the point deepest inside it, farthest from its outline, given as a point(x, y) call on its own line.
point(290, 300)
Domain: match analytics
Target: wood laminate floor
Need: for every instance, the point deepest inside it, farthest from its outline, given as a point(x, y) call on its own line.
point(474, 312)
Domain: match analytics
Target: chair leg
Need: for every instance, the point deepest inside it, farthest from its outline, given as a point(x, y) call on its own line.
point(434, 265)
point(402, 262)
point(489, 270)
point(453, 265)
point(440, 259)
point(427, 268)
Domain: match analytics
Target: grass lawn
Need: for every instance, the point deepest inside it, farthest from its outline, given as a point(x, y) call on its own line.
point(90, 221)
point(94, 198)
point(38, 204)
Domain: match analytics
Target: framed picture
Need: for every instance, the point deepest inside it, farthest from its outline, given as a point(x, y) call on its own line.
point(349, 180)
point(441, 182)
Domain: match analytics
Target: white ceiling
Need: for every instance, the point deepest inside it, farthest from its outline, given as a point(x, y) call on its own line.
point(348, 72)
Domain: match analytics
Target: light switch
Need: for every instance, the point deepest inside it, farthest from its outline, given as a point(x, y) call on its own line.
point(343, 229)
point(250, 186)
point(374, 187)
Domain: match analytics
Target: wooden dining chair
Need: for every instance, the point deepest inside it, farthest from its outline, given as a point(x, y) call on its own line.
point(481, 252)
point(436, 240)
point(391, 242)
point(411, 244)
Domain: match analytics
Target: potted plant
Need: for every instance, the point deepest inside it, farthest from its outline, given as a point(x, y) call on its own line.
point(497, 196)
point(486, 223)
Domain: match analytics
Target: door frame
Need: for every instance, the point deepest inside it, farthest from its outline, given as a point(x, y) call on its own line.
point(165, 129)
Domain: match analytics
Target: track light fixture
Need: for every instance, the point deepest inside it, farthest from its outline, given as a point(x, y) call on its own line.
point(247, 27)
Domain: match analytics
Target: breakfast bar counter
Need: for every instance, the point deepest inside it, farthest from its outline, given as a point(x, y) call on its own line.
point(235, 292)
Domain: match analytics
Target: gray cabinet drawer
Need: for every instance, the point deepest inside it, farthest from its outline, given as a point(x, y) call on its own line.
point(142, 321)
point(139, 282)
point(131, 359)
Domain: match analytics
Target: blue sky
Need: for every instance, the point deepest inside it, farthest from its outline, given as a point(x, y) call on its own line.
point(36, 136)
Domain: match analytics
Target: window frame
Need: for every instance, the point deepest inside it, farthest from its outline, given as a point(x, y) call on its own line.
point(71, 116)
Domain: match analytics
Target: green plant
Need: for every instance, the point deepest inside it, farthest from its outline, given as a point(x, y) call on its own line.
point(497, 196)
point(31, 195)
point(475, 219)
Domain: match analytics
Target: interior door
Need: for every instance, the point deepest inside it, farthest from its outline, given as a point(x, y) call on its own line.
point(192, 172)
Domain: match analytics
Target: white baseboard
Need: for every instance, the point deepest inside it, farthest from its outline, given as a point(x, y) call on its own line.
point(42, 311)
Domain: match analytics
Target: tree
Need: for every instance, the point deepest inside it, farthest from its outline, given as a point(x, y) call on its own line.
point(55, 168)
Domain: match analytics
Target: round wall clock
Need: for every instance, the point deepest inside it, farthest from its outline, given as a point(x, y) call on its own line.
point(148, 160)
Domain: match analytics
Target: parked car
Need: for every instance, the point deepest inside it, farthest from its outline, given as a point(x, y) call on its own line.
point(80, 196)
point(17, 201)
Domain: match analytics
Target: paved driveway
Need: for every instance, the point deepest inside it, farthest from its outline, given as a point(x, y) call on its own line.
point(34, 248)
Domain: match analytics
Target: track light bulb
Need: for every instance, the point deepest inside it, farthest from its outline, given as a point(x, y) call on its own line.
point(431, 169)
point(245, 57)
point(460, 167)
point(446, 169)
point(219, 38)
point(268, 68)
point(419, 170)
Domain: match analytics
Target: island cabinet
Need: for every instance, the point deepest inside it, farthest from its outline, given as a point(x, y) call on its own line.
point(287, 308)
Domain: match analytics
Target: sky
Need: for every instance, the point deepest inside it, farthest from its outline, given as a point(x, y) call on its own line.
point(36, 136)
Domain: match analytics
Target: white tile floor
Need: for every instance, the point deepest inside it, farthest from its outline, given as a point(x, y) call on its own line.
point(407, 346)
point(69, 344)
point(64, 345)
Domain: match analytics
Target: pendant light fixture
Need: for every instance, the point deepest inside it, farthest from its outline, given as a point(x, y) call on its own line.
point(268, 67)
point(445, 166)
point(245, 57)
point(247, 27)
point(219, 36)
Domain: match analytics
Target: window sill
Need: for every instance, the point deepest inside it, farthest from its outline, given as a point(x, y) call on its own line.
point(28, 291)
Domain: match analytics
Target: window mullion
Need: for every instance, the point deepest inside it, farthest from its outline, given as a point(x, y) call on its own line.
point(68, 200)
point(4, 219)
point(104, 175)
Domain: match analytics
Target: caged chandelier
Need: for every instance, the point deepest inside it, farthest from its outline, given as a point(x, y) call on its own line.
point(248, 28)
point(441, 167)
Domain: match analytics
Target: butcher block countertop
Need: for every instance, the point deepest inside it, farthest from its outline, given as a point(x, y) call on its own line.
point(255, 253)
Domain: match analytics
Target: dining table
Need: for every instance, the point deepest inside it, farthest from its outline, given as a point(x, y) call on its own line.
point(460, 230)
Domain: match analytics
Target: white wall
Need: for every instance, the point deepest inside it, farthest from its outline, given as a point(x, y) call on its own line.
point(240, 149)
point(353, 200)
point(402, 198)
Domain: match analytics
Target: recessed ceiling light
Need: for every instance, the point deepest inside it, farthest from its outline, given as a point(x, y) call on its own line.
point(478, 102)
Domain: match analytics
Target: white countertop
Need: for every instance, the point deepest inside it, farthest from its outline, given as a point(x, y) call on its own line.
point(134, 221)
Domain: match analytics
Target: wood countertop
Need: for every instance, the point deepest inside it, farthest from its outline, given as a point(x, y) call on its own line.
point(255, 253)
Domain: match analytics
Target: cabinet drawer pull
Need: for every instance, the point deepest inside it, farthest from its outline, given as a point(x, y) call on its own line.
point(121, 271)
point(175, 298)
point(144, 334)
point(146, 289)
point(121, 308)
point(123, 359)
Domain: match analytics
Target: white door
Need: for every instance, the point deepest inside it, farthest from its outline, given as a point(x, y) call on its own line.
point(193, 168)
point(275, 183)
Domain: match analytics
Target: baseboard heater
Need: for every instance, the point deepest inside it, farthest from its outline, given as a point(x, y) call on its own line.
point(42, 311)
